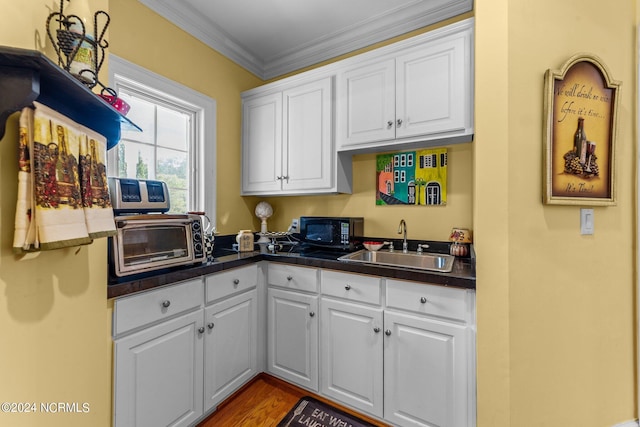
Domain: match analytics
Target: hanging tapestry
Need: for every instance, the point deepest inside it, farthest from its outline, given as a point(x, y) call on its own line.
point(63, 199)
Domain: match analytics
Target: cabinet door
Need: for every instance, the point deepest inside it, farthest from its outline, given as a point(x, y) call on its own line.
point(308, 141)
point(366, 104)
point(425, 372)
point(432, 89)
point(351, 354)
point(292, 337)
point(231, 346)
point(158, 374)
point(262, 143)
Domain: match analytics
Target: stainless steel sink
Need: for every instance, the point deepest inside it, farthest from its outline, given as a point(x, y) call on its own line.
point(424, 261)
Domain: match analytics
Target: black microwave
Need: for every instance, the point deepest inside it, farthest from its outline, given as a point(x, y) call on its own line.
point(332, 232)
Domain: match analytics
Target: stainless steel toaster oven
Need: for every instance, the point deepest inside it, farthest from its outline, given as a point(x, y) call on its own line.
point(150, 242)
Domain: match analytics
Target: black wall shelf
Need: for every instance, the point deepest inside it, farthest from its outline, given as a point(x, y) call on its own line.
point(28, 75)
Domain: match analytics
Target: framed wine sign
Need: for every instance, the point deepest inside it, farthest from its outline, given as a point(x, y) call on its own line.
point(580, 132)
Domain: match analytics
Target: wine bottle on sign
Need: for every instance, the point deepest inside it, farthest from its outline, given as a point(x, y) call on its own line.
point(580, 142)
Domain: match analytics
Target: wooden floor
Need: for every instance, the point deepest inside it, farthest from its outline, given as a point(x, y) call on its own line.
point(263, 403)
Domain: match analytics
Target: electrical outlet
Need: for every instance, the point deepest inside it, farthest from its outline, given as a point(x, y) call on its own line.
point(293, 228)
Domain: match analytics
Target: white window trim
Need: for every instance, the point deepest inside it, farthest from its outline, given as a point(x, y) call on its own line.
point(122, 72)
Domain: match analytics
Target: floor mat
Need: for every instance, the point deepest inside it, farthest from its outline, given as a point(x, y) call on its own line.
point(310, 412)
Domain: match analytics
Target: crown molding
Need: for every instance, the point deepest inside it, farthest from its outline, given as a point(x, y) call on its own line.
point(399, 21)
point(365, 34)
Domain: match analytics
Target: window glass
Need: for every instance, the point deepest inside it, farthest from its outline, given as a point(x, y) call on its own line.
point(142, 113)
point(164, 153)
point(173, 129)
point(177, 143)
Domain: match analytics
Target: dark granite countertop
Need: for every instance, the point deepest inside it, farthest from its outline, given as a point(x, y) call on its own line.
point(463, 274)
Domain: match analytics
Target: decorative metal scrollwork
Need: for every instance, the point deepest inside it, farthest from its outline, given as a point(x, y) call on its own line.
point(80, 52)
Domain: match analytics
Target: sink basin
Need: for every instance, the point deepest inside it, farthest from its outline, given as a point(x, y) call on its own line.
point(424, 261)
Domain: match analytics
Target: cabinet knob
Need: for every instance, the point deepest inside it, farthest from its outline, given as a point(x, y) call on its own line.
point(166, 303)
point(201, 329)
point(210, 325)
point(289, 278)
point(279, 178)
point(423, 300)
point(389, 124)
point(376, 329)
point(236, 282)
point(399, 122)
point(313, 313)
point(347, 287)
point(387, 332)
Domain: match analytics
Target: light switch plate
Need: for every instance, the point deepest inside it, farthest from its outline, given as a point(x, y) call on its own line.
point(586, 221)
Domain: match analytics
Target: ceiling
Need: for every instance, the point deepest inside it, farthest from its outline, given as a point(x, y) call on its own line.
point(274, 37)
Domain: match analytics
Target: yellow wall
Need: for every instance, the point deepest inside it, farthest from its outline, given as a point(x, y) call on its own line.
point(145, 38)
point(427, 223)
point(555, 309)
point(54, 318)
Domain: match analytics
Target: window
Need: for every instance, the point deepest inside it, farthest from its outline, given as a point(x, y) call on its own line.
point(177, 144)
point(428, 161)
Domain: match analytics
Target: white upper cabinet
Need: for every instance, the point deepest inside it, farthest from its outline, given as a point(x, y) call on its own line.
point(431, 94)
point(307, 141)
point(287, 141)
point(262, 143)
point(367, 98)
point(298, 133)
point(421, 91)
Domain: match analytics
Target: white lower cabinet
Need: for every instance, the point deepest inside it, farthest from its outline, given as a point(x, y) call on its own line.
point(351, 354)
point(175, 359)
point(292, 342)
point(397, 350)
point(231, 332)
point(292, 324)
point(409, 361)
point(159, 374)
point(231, 346)
point(425, 372)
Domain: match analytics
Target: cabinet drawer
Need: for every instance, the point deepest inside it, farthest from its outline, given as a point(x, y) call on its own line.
point(139, 310)
point(291, 277)
point(227, 283)
point(427, 299)
point(353, 287)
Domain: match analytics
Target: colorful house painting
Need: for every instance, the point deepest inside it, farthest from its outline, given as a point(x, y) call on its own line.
point(412, 177)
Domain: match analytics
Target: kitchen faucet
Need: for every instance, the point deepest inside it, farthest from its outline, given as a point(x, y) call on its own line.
point(403, 228)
